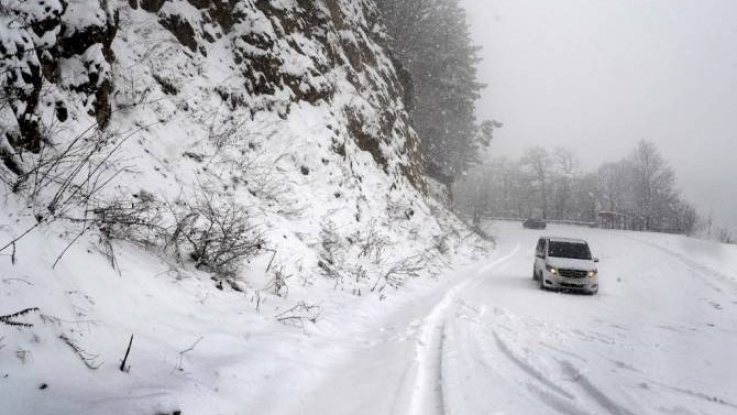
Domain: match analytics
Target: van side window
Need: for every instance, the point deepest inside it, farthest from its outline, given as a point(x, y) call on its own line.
point(541, 247)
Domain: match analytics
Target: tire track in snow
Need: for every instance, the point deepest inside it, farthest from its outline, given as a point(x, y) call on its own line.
point(566, 400)
point(712, 399)
point(528, 368)
point(711, 277)
point(498, 361)
point(593, 391)
point(547, 390)
point(427, 389)
point(509, 360)
point(554, 401)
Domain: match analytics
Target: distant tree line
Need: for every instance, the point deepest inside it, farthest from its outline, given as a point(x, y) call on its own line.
point(436, 62)
point(638, 192)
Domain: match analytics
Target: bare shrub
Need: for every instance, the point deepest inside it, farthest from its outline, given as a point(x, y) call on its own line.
point(219, 234)
point(265, 178)
point(398, 273)
point(299, 314)
point(139, 221)
point(331, 272)
point(225, 130)
point(331, 245)
point(59, 177)
point(373, 245)
point(61, 180)
point(279, 283)
point(131, 92)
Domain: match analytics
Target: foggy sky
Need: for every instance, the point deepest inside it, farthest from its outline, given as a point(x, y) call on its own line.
point(597, 76)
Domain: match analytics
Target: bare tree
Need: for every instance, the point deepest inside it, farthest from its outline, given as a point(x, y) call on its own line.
point(537, 161)
point(638, 192)
point(613, 185)
point(654, 185)
point(566, 167)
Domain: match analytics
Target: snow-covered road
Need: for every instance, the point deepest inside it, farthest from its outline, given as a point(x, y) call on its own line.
point(660, 338)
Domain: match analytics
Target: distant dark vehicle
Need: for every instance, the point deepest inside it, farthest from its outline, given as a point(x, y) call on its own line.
point(534, 224)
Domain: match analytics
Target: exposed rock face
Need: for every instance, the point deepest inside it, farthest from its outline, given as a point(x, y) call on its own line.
point(285, 52)
point(43, 41)
point(302, 50)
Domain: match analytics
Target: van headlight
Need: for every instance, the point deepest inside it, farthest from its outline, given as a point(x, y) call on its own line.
point(553, 270)
point(591, 274)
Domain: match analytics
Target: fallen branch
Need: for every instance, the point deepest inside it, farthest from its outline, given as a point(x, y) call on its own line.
point(191, 347)
point(9, 280)
point(183, 352)
point(87, 358)
point(125, 358)
point(300, 313)
point(9, 319)
point(26, 232)
point(84, 230)
point(271, 261)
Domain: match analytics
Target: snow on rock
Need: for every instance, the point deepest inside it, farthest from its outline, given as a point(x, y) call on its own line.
point(210, 177)
point(35, 35)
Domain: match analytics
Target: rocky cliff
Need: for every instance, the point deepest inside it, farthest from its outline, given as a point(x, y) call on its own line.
point(259, 56)
point(289, 110)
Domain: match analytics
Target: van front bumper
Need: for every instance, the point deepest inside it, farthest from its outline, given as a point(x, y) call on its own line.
point(588, 285)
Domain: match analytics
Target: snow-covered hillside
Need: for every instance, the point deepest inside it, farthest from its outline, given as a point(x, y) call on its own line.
point(291, 110)
point(280, 124)
point(209, 177)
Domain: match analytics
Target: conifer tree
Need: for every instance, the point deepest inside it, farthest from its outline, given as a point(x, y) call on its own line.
point(431, 41)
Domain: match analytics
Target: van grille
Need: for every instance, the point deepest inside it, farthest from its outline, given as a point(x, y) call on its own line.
point(573, 273)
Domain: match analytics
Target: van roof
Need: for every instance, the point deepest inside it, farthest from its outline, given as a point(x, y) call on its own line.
point(561, 239)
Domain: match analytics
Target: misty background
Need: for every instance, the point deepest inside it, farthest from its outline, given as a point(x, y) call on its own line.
point(597, 77)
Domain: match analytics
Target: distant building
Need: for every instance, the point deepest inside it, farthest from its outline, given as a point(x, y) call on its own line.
point(618, 220)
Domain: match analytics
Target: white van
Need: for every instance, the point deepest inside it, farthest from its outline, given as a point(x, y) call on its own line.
point(566, 264)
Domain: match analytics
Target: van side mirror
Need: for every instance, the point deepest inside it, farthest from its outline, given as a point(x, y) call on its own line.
point(596, 259)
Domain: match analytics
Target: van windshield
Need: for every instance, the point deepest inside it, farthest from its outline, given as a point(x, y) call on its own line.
point(572, 250)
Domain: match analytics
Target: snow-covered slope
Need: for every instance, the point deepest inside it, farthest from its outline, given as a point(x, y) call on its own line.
point(287, 113)
point(228, 170)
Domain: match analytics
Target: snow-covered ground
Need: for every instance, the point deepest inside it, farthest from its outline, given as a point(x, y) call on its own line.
point(483, 339)
point(659, 338)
